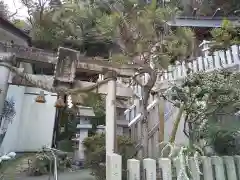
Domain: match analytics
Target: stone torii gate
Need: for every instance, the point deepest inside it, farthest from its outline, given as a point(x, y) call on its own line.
point(68, 63)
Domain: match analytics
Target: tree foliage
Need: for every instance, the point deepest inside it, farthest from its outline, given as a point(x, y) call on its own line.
point(222, 136)
point(43, 163)
point(205, 96)
point(9, 111)
point(224, 37)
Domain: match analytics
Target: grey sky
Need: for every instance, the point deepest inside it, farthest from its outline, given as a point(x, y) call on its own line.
point(16, 4)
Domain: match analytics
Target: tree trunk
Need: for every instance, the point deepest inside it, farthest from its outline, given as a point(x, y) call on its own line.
point(161, 120)
point(145, 132)
point(176, 124)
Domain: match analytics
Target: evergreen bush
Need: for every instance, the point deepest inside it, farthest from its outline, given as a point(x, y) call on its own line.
point(95, 154)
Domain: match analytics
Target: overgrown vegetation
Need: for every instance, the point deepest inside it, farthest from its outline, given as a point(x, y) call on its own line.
point(43, 163)
point(140, 35)
point(8, 113)
point(95, 154)
point(207, 99)
point(224, 37)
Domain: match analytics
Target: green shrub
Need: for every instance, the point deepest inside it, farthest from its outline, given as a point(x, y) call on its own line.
point(95, 157)
point(223, 138)
point(43, 163)
point(65, 145)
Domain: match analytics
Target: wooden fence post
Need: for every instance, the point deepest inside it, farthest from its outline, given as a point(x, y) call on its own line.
point(230, 167)
point(237, 161)
point(207, 168)
point(193, 167)
point(219, 169)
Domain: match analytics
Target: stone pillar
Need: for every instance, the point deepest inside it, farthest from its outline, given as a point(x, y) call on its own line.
point(110, 128)
point(4, 76)
point(111, 112)
point(83, 134)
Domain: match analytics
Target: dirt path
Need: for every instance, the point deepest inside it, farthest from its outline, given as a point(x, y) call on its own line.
point(14, 171)
point(79, 175)
point(14, 167)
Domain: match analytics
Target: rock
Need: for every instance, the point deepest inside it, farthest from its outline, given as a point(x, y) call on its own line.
point(11, 154)
point(5, 158)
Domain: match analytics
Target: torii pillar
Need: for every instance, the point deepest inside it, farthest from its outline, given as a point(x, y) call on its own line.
point(110, 129)
point(7, 58)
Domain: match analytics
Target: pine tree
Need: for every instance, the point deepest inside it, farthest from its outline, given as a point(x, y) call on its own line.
point(141, 34)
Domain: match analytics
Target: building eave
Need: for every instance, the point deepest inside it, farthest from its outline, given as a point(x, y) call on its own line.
point(14, 30)
point(201, 22)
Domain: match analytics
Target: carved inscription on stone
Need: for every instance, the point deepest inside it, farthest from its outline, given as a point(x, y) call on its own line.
point(66, 65)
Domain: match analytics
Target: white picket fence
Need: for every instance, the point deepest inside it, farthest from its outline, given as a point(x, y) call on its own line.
point(212, 168)
point(219, 60)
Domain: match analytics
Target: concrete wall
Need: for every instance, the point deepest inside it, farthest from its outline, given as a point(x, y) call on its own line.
point(32, 127)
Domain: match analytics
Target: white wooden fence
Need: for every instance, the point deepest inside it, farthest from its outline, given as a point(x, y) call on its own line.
point(212, 168)
point(219, 60)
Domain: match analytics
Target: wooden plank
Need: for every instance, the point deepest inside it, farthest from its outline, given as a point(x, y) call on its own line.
point(122, 91)
point(161, 120)
point(195, 173)
point(153, 130)
point(207, 168)
point(237, 161)
point(230, 167)
point(219, 168)
point(177, 165)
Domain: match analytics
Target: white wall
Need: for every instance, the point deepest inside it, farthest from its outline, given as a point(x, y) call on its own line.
point(37, 122)
point(10, 141)
point(32, 127)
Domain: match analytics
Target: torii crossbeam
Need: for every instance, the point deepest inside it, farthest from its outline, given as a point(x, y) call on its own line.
point(83, 63)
